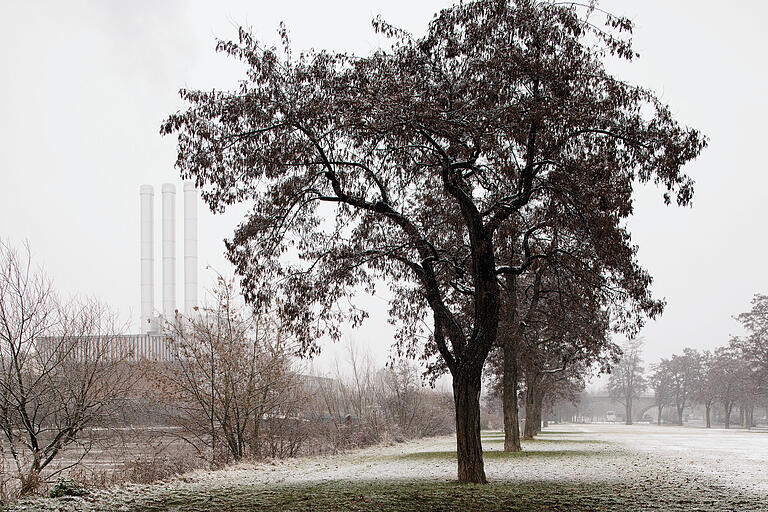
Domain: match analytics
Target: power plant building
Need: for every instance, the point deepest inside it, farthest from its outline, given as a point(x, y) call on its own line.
point(150, 343)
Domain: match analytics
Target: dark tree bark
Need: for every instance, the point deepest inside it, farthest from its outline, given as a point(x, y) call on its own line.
point(509, 399)
point(680, 414)
point(707, 414)
point(533, 401)
point(538, 401)
point(510, 366)
point(469, 450)
point(658, 419)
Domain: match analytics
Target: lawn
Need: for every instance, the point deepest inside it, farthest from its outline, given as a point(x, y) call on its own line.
point(422, 495)
point(612, 469)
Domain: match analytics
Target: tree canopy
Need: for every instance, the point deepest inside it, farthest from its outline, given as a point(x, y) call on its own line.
point(411, 164)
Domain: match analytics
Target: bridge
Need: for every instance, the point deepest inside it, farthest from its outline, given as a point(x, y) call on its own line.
point(596, 407)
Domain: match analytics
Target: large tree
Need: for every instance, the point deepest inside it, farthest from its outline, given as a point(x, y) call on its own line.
point(706, 386)
point(409, 164)
point(731, 371)
point(754, 345)
point(678, 375)
point(555, 314)
point(626, 381)
point(561, 334)
point(661, 384)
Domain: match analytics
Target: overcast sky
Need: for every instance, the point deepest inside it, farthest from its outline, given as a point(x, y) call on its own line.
point(85, 86)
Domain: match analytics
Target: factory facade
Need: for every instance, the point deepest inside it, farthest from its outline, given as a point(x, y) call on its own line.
point(149, 343)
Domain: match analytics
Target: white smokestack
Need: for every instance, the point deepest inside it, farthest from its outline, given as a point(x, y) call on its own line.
point(147, 258)
point(190, 247)
point(169, 251)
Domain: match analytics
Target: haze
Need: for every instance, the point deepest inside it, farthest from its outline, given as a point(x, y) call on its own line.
point(86, 85)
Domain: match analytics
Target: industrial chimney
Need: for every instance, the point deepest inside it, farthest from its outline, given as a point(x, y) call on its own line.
point(169, 252)
point(190, 248)
point(147, 196)
point(150, 323)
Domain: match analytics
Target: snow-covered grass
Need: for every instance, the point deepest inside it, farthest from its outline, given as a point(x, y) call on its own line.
point(593, 467)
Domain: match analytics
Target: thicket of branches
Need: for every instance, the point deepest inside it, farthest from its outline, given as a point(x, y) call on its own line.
point(234, 391)
point(231, 390)
point(231, 375)
point(366, 405)
point(60, 373)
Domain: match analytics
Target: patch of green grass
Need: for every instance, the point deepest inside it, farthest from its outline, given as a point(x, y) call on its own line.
point(498, 454)
point(411, 496)
point(494, 435)
point(539, 440)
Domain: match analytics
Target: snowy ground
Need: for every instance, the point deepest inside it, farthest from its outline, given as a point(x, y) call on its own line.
point(703, 465)
point(734, 458)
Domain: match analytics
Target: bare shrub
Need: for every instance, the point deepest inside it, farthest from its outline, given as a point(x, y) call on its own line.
point(60, 373)
point(411, 409)
point(232, 371)
point(366, 405)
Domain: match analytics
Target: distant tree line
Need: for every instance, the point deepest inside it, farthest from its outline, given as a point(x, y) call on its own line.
point(729, 378)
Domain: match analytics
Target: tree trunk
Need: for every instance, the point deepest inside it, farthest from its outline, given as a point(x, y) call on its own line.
point(538, 401)
point(509, 398)
point(727, 415)
point(29, 484)
point(707, 415)
point(30, 481)
point(469, 450)
point(530, 411)
point(658, 417)
point(628, 412)
point(680, 414)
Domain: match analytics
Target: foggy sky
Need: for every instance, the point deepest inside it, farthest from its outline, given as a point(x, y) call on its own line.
point(85, 86)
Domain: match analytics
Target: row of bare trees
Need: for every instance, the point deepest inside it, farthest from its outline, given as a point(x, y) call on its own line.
point(729, 377)
point(724, 378)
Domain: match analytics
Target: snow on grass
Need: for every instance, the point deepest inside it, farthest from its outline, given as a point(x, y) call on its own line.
point(673, 468)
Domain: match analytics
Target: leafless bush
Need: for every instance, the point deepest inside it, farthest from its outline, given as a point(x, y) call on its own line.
point(59, 372)
point(232, 375)
point(410, 408)
point(151, 468)
point(365, 405)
